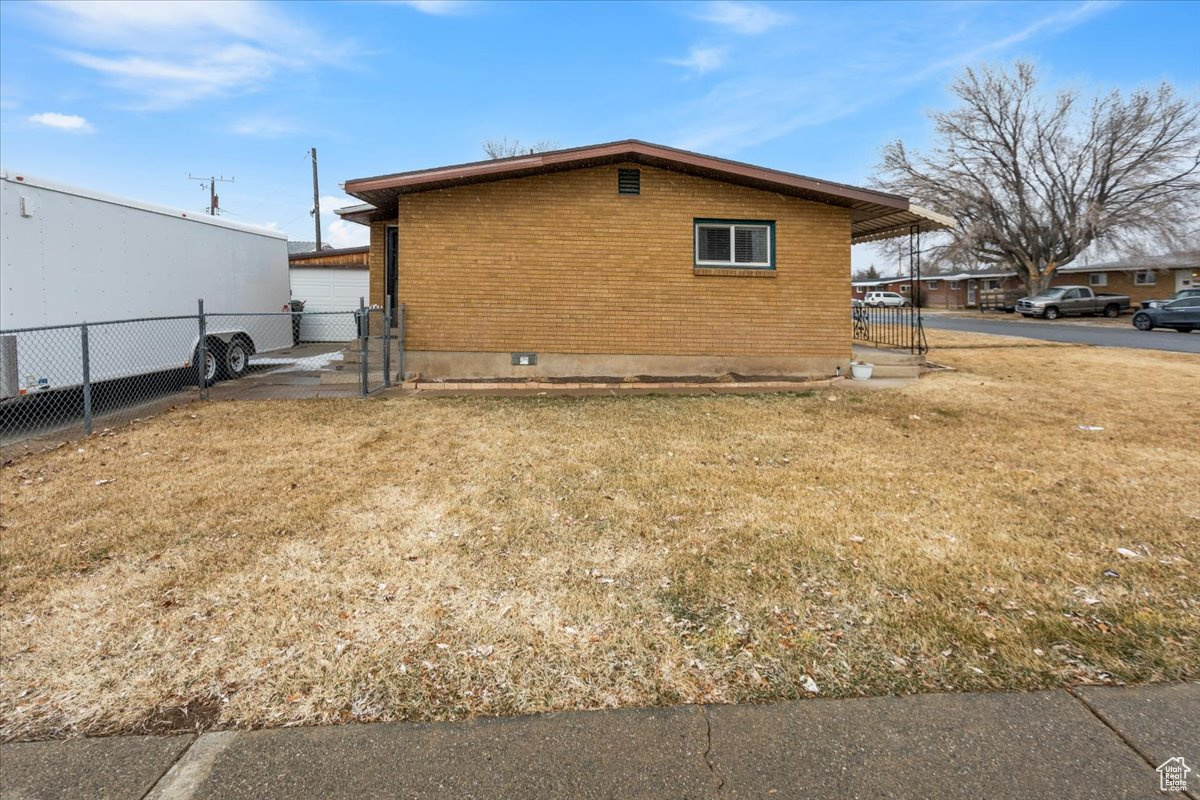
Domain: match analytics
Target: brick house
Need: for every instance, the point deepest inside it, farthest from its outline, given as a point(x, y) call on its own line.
point(620, 259)
point(1141, 279)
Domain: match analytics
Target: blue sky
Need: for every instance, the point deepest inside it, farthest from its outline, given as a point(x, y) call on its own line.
point(131, 97)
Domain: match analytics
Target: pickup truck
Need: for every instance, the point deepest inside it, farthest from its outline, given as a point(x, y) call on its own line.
point(1062, 301)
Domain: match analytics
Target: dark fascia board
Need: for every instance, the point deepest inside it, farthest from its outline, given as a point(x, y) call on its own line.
point(379, 190)
point(344, 251)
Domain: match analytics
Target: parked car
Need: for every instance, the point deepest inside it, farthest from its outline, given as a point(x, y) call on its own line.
point(1180, 295)
point(876, 299)
point(855, 302)
point(1182, 315)
point(1062, 301)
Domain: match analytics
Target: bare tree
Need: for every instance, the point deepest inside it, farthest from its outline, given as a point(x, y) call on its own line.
point(503, 148)
point(868, 274)
point(1033, 181)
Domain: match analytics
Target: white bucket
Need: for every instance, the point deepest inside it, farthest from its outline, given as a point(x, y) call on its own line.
point(861, 371)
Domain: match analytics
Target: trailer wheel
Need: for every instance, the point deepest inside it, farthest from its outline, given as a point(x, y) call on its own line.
point(212, 361)
point(235, 359)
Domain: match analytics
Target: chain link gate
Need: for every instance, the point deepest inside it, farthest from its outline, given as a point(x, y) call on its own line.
point(380, 346)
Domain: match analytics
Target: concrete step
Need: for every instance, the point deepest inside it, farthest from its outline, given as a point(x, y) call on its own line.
point(880, 356)
point(895, 371)
point(352, 355)
point(344, 376)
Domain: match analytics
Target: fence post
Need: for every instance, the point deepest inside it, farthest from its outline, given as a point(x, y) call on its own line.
point(201, 353)
point(363, 330)
point(87, 380)
point(400, 346)
point(387, 342)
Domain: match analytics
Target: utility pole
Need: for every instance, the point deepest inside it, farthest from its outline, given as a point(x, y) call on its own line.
point(316, 200)
point(214, 202)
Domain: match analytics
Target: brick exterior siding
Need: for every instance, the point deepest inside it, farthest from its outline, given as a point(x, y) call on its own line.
point(563, 263)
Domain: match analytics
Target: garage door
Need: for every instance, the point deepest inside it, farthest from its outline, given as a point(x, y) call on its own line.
point(328, 290)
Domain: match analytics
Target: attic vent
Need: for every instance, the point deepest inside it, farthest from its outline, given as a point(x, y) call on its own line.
point(629, 181)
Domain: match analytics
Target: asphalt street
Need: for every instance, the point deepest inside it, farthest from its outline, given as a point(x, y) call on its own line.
point(1072, 332)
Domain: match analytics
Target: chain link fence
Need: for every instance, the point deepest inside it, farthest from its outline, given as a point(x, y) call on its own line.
point(60, 382)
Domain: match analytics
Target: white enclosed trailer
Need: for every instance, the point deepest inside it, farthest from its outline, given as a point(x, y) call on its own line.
point(72, 255)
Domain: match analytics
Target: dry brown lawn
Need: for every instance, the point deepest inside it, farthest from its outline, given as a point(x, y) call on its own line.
point(297, 562)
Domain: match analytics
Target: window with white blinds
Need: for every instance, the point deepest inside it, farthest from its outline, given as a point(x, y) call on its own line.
point(735, 243)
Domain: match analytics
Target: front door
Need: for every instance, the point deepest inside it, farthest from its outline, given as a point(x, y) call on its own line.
point(391, 252)
point(971, 285)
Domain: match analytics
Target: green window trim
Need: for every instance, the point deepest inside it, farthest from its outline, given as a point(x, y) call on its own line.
point(732, 263)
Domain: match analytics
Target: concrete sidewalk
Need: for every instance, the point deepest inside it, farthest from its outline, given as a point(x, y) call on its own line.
point(1092, 742)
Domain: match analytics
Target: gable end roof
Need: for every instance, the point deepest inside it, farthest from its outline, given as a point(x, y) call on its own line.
point(874, 214)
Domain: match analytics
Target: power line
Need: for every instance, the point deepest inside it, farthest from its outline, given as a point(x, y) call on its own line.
point(214, 202)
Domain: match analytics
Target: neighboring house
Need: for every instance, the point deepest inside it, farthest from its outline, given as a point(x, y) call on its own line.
point(305, 247)
point(620, 259)
point(328, 280)
point(895, 283)
point(1141, 279)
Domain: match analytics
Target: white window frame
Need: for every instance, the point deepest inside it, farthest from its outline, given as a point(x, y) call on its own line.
point(1098, 279)
point(991, 284)
point(1144, 277)
point(932, 285)
point(733, 263)
point(955, 285)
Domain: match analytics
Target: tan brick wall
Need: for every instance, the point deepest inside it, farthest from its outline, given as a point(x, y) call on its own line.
point(562, 263)
point(375, 262)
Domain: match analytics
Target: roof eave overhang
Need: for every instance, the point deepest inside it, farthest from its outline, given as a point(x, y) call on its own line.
point(874, 215)
point(363, 214)
point(900, 223)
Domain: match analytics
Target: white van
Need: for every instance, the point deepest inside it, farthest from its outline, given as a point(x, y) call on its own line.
point(876, 299)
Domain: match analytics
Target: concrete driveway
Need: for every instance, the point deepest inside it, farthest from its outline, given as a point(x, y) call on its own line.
point(288, 374)
point(1072, 332)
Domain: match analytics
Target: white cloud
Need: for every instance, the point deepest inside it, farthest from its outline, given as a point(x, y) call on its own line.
point(265, 126)
point(787, 85)
point(63, 122)
point(744, 18)
point(343, 233)
point(438, 7)
point(169, 54)
point(701, 59)
point(1057, 21)
point(337, 231)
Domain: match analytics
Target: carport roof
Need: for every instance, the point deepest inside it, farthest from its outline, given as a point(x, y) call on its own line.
point(874, 215)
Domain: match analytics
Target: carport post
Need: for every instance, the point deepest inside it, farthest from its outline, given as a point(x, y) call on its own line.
point(87, 381)
point(400, 346)
point(387, 342)
point(363, 330)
